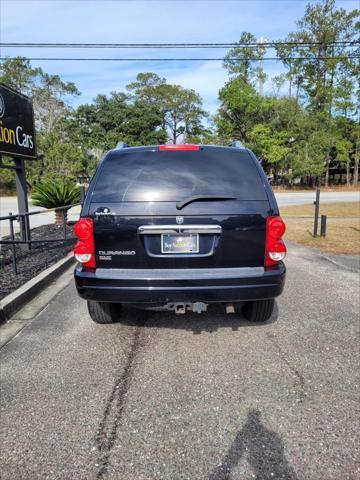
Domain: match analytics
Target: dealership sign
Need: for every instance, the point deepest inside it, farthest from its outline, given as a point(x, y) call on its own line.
point(17, 132)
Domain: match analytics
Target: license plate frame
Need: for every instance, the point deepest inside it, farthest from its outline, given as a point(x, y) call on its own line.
point(188, 248)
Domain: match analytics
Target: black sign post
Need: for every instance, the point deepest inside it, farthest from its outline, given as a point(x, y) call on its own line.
point(17, 140)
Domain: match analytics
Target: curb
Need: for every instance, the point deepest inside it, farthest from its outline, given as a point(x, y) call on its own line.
point(327, 257)
point(17, 299)
point(340, 265)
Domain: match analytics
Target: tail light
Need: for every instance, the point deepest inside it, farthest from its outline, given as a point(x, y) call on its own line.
point(84, 250)
point(275, 247)
point(164, 148)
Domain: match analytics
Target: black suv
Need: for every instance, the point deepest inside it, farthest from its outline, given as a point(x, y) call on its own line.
point(179, 227)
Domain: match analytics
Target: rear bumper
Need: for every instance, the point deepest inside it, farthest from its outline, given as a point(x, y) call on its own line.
point(186, 285)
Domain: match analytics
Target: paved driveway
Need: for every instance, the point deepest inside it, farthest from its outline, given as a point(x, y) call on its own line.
point(189, 397)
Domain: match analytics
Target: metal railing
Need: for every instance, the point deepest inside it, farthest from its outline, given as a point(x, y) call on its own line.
point(25, 231)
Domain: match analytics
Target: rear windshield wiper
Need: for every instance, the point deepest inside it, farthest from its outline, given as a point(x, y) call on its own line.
point(199, 198)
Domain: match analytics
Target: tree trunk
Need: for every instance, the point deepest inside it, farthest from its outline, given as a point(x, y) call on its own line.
point(331, 85)
point(356, 170)
point(297, 93)
point(348, 174)
point(59, 216)
point(290, 80)
point(327, 172)
point(275, 177)
point(175, 130)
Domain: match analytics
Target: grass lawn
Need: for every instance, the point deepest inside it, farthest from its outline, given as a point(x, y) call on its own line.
point(343, 226)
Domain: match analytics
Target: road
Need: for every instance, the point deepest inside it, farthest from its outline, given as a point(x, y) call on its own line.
point(301, 198)
point(212, 397)
point(9, 204)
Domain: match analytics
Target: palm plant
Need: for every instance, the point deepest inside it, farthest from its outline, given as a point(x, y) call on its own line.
point(55, 194)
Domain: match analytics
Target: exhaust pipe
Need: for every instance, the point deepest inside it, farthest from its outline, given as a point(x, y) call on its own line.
point(230, 308)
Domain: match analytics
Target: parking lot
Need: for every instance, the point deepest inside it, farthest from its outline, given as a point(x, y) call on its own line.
point(211, 396)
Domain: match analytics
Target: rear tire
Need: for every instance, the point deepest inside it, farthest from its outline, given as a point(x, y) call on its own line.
point(259, 310)
point(104, 312)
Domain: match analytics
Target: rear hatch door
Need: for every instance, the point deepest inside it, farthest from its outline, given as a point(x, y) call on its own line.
point(179, 209)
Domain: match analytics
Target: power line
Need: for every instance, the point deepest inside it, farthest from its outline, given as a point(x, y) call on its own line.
point(176, 45)
point(103, 59)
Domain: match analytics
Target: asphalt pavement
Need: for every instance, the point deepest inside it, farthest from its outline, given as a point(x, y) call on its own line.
point(9, 205)
point(302, 198)
point(208, 396)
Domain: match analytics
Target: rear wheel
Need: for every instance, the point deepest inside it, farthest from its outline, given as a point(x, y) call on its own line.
point(259, 310)
point(104, 312)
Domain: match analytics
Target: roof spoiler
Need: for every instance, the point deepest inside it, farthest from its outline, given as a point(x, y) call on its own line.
point(237, 144)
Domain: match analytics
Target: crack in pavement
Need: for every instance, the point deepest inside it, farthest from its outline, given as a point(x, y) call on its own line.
point(301, 380)
point(109, 425)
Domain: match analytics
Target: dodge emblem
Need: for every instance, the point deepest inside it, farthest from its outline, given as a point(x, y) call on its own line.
point(179, 220)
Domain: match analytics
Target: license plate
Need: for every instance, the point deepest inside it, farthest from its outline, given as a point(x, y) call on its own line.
point(180, 243)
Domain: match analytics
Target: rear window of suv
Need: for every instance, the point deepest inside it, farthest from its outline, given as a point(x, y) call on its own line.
point(152, 175)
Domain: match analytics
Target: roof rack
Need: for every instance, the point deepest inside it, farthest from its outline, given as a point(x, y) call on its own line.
point(237, 144)
point(121, 145)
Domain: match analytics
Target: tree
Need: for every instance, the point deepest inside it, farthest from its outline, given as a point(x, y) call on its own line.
point(317, 145)
point(343, 151)
point(278, 81)
point(50, 101)
point(146, 87)
point(49, 93)
point(241, 109)
point(355, 139)
point(143, 125)
point(321, 65)
point(180, 108)
point(112, 118)
point(349, 132)
point(242, 62)
point(18, 74)
point(271, 147)
point(183, 112)
point(298, 135)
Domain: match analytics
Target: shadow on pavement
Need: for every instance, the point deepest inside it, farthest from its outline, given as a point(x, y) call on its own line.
point(209, 322)
point(263, 450)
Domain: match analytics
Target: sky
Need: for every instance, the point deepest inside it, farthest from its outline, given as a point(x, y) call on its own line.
point(145, 21)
